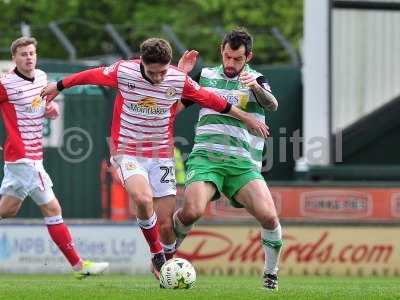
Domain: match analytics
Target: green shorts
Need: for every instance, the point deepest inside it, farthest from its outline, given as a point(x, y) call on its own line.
point(228, 175)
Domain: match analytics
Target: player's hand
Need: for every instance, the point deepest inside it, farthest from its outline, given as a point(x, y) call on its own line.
point(52, 110)
point(256, 127)
point(248, 79)
point(188, 60)
point(49, 92)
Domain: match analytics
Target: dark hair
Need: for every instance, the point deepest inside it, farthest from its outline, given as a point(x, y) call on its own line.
point(21, 42)
point(156, 51)
point(237, 38)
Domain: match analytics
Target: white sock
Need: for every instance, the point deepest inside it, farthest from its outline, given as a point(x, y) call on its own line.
point(169, 248)
point(271, 241)
point(149, 223)
point(180, 229)
point(53, 220)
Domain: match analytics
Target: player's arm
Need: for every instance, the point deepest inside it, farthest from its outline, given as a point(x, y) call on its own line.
point(204, 98)
point(183, 104)
point(52, 110)
point(261, 90)
point(188, 60)
point(186, 63)
point(97, 76)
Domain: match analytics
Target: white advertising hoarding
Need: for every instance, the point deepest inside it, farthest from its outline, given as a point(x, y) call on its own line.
point(29, 248)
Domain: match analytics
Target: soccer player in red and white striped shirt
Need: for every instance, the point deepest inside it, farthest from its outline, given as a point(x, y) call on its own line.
point(24, 111)
point(142, 142)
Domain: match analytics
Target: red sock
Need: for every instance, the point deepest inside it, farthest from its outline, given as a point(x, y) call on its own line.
point(62, 238)
point(153, 238)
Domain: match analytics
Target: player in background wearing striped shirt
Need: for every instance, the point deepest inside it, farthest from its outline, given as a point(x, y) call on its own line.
point(23, 112)
point(226, 157)
point(142, 139)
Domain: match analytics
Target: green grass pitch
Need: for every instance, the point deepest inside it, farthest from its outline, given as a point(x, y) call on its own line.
point(112, 287)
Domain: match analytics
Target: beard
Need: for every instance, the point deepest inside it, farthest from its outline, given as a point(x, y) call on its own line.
point(232, 72)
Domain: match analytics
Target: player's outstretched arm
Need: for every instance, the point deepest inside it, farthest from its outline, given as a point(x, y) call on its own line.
point(98, 76)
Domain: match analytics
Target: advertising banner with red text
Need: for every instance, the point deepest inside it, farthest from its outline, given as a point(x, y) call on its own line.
point(323, 203)
point(351, 251)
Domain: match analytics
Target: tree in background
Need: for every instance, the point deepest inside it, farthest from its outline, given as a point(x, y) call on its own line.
point(193, 21)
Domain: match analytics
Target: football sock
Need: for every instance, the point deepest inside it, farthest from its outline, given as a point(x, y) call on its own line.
point(272, 243)
point(181, 230)
point(61, 236)
point(169, 250)
point(151, 233)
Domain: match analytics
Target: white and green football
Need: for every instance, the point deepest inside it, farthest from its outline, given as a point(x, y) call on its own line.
point(177, 273)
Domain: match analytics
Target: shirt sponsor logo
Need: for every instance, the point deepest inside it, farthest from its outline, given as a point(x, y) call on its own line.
point(237, 98)
point(37, 105)
point(148, 106)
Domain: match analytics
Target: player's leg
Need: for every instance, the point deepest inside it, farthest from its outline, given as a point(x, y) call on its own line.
point(41, 192)
point(163, 184)
point(140, 192)
point(13, 190)
point(133, 172)
point(196, 197)
point(9, 206)
point(256, 198)
point(203, 183)
point(165, 207)
point(58, 230)
point(60, 233)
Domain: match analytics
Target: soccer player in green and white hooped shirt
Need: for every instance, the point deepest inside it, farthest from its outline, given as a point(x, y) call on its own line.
point(226, 157)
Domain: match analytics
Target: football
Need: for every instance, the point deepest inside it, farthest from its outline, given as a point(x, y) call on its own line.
point(177, 273)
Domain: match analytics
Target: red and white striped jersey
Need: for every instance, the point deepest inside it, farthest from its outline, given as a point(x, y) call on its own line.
point(23, 111)
point(144, 113)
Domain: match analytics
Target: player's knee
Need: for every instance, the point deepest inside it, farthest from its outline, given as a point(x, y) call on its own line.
point(270, 221)
point(10, 212)
point(54, 211)
point(191, 215)
point(52, 208)
point(142, 199)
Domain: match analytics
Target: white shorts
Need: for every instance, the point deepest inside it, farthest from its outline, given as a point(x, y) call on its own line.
point(27, 179)
point(159, 172)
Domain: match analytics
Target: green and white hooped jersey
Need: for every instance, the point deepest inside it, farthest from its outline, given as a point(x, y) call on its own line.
point(221, 133)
